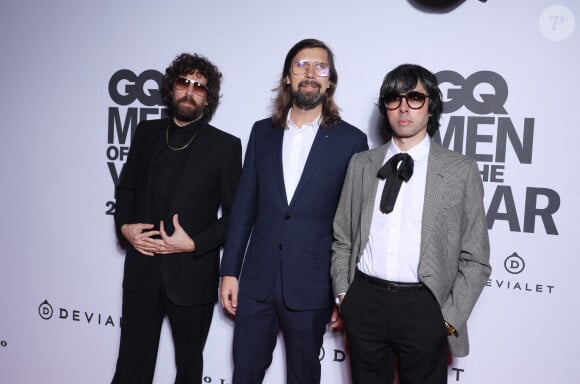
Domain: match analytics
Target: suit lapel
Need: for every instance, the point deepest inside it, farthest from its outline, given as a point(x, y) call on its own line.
point(370, 186)
point(276, 155)
point(318, 152)
point(156, 145)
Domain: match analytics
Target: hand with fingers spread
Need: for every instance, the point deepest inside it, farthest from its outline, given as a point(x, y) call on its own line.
point(229, 294)
point(178, 242)
point(139, 235)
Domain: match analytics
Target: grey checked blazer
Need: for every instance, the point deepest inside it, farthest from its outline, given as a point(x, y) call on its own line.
point(454, 261)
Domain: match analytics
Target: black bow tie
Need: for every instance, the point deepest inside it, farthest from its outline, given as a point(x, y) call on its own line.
point(394, 174)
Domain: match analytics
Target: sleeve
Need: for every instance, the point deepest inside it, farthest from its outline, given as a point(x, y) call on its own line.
point(243, 214)
point(473, 268)
point(342, 245)
point(126, 188)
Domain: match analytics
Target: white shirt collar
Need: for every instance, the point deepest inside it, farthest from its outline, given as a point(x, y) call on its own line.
point(314, 125)
point(419, 152)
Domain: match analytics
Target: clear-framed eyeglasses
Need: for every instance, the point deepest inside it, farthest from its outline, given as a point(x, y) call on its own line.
point(302, 66)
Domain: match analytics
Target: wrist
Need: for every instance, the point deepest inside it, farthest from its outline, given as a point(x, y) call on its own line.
point(451, 331)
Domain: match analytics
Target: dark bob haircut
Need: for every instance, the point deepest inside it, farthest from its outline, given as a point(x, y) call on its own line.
point(403, 79)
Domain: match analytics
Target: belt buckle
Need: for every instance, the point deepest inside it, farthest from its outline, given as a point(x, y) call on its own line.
point(392, 287)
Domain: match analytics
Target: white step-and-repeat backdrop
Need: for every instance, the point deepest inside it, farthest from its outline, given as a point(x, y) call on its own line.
point(77, 76)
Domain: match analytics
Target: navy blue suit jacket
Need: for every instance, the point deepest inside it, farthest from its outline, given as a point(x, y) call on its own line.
point(293, 237)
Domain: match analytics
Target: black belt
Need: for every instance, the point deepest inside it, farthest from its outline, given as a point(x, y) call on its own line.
point(391, 286)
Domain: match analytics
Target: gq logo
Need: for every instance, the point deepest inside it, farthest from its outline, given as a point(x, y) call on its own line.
point(458, 91)
point(125, 87)
point(136, 98)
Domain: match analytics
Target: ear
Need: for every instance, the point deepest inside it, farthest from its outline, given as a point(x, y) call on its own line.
point(287, 79)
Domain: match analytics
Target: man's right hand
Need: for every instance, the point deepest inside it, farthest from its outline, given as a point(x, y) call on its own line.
point(138, 235)
point(229, 294)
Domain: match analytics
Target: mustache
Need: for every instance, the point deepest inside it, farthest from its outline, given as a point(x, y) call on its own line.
point(188, 99)
point(311, 83)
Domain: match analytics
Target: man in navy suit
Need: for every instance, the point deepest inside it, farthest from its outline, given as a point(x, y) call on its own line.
point(293, 172)
point(179, 172)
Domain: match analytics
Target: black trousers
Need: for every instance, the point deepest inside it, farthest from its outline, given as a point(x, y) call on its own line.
point(391, 326)
point(143, 313)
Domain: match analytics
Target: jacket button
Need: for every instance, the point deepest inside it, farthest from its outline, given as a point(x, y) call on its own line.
point(287, 216)
point(280, 247)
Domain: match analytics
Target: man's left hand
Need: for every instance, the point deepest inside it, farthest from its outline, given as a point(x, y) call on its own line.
point(178, 242)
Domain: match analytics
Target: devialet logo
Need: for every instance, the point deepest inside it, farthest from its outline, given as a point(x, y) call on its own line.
point(515, 265)
point(47, 311)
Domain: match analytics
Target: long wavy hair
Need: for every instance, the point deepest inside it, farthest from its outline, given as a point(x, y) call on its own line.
point(283, 101)
point(184, 64)
point(403, 79)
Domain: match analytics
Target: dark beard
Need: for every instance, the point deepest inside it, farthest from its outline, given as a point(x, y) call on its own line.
point(307, 100)
point(187, 114)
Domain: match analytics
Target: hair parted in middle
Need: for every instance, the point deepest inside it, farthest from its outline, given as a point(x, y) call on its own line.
point(283, 100)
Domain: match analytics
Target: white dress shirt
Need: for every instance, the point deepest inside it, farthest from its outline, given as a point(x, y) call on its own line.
point(393, 250)
point(296, 146)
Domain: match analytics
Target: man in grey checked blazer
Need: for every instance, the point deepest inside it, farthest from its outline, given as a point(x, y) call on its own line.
point(407, 280)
